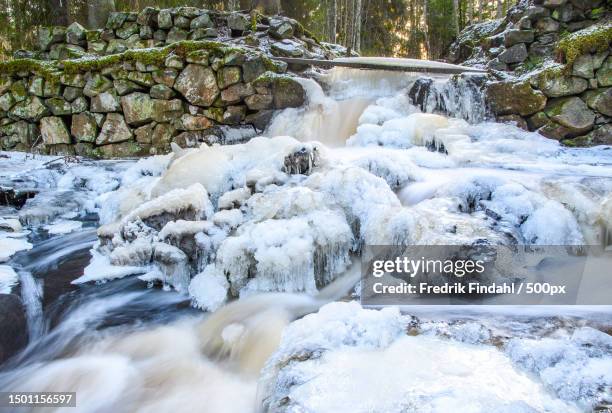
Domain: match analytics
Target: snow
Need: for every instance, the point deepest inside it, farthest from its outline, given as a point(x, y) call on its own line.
point(209, 289)
point(11, 243)
point(101, 269)
point(63, 227)
point(8, 279)
point(338, 360)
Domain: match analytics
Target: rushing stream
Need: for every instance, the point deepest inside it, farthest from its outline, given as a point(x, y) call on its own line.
point(116, 316)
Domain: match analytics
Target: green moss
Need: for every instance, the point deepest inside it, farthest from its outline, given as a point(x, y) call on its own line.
point(44, 69)
point(152, 56)
point(589, 40)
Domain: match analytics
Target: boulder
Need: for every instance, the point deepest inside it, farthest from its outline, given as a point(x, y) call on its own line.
point(198, 85)
point(537, 121)
point(233, 115)
point(237, 92)
point(84, 127)
point(506, 98)
point(557, 85)
point(600, 100)
point(287, 48)
point(227, 76)
point(79, 105)
point(194, 122)
point(138, 108)
point(116, 20)
point(546, 25)
point(114, 130)
point(515, 54)
point(30, 109)
point(253, 67)
point(124, 86)
point(144, 133)
point(281, 28)
point(237, 23)
point(583, 66)
point(604, 73)
point(71, 93)
point(201, 22)
point(164, 19)
point(571, 113)
point(165, 76)
point(75, 34)
point(6, 102)
point(512, 37)
point(13, 325)
point(259, 102)
point(516, 120)
point(46, 36)
point(123, 150)
point(58, 106)
point(161, 92)
point(54, 131)
point(105, 102)
point(147, 17)
point(176, 35)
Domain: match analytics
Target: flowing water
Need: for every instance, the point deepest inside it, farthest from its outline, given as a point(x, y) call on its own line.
point(127, 348)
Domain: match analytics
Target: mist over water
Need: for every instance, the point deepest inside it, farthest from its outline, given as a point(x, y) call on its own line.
point(126, 348)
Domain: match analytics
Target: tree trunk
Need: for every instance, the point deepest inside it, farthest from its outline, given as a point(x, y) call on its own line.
point(332, 20)
point(357, 30)
point(500, 9)
point(426, 28)
point(58, 13)
point(97, 12)
point(456, 25)
point(470, 12)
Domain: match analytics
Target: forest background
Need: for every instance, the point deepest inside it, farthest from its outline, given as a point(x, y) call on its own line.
point(400, 28)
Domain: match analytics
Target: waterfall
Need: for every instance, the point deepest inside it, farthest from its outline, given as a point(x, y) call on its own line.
point(31, 296)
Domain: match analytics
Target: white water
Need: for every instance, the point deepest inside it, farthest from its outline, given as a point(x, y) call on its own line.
point(375, 176)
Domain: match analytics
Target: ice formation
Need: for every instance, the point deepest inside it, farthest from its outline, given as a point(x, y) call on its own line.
point(8, 279)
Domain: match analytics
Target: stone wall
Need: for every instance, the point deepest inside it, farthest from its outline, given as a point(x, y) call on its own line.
point(553, 67)
point(279, 36)
point(137, 102)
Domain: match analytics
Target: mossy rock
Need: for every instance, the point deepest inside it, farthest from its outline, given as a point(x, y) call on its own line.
point(590, 40)
point(507, 98)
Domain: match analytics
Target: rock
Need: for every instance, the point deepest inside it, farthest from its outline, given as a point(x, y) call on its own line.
point(122, 150)
point(198, 85)
point(513, 37)
point(237, 23)
point(84, 127)
point(237, 92)
point(143, 79)
point(164, 19)
point(514, 54)
point(162, 136)
point(105, 102)
point(583, 66)
point(537, 121)
point(259, 102)
point(116, 20)
point(147, 17)
point(127, 30)
point(515, 120)
point(600, 100)
point(201, 22)
point(79, 105)
point(165, 76)
point(13, 325)
point(601, 135)
point(145, 33)
point(280, 28)
point(58, 106)
point(571, 113)
point(114, 130)
point(287, 48)
point(286, 91)
point(5, 83)
point(144, 133)
point(176, 35)
point(506, 98)
point(604, 73)
point(553, 130)
point(202, 33)
point(161, 92)
point(167, 110)
point(74, 80)
point(546, 25)
point(96, 85)
point(46, 36)
point(75, 34)
point(253, 67)
point(138, 108)
point(54, 131)
point(182, 22)
point(541, 50)
point(228, 76)
point(174, 61)
point(599, 59)
point(233, 115)
point(200, 57)
point(536, 12)
point(553, 3)
point(71, 93)
point(191, 122)
point(30, 109)
point(560, 85)
point(124, 86)
point(6, 102)
point(495, 64)
point(260, 119)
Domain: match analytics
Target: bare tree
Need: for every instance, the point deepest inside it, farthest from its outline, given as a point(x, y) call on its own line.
point(357, 24)
point(331, 20)
point(500, 9)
